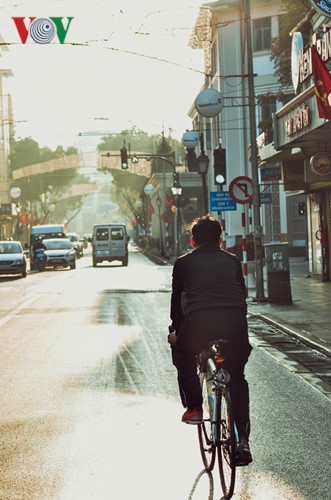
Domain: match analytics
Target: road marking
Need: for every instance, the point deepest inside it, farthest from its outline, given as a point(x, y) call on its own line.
point(18, 309)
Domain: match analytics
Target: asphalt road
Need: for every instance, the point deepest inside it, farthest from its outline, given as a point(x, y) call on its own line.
point(89, 403)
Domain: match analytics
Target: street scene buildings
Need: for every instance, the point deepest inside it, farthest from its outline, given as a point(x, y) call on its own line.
point(287, 196)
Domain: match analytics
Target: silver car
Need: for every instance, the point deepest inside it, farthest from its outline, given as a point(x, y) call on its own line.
point(12, 258)
point(60, 253)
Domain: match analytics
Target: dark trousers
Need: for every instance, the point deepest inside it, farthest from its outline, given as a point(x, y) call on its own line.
point(193, 336)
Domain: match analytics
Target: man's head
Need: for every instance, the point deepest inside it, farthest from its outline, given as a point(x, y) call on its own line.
point(205, 229)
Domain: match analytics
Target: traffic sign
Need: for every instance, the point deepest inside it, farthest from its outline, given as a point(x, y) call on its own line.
point(266, 198)
point(221, 200)
point(241, 189)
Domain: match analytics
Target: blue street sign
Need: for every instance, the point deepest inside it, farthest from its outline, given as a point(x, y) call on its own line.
point(266, 198)
point(220, 201)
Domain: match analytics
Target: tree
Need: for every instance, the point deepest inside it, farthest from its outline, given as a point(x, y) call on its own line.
point(134, 139)
point(26, 152)
point(129, 186)
point(281, 45)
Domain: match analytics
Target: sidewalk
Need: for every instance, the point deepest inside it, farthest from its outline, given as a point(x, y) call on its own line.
point(308, 318)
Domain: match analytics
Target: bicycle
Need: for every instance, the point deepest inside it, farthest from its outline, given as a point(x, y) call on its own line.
point(217, 430)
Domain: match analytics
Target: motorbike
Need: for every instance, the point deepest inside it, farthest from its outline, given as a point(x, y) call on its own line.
point(40, 259)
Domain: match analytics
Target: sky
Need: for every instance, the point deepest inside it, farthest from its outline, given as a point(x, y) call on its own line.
point(110, 74)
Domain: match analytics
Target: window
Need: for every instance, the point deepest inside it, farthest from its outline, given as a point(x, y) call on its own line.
point(102, 234)
point(262, 34)
point(268, 106)
point(117, 233)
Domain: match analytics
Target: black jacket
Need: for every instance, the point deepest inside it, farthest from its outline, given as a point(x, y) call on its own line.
point(208, 277)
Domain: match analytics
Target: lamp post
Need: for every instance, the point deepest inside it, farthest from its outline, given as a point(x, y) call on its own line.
point(15, 193)
point(258, 240)
point(158, 203)
point(176, 189)
point(202, 166)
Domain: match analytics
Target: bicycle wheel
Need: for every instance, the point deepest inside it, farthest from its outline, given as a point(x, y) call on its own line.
point(227, 446)
point(207, 448)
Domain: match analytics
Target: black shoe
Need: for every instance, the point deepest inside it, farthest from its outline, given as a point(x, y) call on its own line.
point(243, 453)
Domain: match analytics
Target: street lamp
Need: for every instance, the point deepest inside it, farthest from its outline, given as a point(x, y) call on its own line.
point(176, 189)
point(158, 203)
point(15, 193)
point(202, 166)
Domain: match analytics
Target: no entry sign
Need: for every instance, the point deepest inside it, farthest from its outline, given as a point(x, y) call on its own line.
point(241, 189)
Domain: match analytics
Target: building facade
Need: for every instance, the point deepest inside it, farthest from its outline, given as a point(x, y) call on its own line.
point(302, 140)
point(221, 31)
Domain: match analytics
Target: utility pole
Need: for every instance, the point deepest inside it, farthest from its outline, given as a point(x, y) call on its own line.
point(258, 245)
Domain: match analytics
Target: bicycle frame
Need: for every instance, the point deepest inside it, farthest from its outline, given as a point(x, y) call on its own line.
point(217, 433)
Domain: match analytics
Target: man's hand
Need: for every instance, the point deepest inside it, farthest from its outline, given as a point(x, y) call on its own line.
point(172, 338)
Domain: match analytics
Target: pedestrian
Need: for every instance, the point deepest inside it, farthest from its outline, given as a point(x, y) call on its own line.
point(208, 302)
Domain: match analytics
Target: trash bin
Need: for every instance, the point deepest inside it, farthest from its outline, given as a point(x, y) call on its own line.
point(278, 272)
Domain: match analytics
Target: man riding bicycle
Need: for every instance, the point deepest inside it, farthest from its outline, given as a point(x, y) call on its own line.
point(208, 302)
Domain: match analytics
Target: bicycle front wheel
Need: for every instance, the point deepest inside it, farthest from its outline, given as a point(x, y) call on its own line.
point(226, 448)
point(207, 447)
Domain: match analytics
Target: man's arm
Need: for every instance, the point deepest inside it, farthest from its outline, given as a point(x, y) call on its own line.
point(176, 313)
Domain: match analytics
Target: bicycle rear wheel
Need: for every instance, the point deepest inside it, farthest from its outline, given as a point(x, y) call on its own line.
point(207, 448)
point(227, 446)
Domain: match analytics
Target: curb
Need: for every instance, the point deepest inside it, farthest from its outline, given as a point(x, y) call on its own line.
point(309, 342)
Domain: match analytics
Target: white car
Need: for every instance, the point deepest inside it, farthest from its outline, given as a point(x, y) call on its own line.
point(60, 253)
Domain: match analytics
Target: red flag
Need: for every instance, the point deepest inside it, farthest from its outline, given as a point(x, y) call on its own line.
point(322, 80)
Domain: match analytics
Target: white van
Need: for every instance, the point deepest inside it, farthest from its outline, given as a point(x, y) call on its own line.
point(110, 242)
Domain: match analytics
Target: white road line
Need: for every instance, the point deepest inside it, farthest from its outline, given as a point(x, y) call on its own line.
point(18, 309)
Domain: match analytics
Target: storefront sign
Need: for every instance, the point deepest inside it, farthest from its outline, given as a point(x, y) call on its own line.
point(209, 103)
point(320, 164)
point(323, 45)
point(271, 174)
point(5, 209)
point(297, 46)
point(323, 6)
point(300, 119)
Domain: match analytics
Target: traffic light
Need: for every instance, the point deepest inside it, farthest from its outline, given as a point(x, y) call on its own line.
point(191, 159)
point(134, 159)
point(220, 166)
point(124, 158)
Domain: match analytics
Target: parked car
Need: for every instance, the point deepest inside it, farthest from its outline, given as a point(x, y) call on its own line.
point(60, 253)
point(77, 242)
point(12, 258)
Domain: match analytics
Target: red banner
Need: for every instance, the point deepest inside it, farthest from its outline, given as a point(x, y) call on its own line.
point(322, 80)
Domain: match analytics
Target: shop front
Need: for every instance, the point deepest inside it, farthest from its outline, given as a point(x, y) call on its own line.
point(302, 147)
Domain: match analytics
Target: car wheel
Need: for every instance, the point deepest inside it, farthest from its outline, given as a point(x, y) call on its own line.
point(73, 266)
point(24, 273)
point(94, 261)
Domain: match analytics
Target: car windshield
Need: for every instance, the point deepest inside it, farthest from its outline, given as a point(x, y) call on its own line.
point(10, 248)
point(58, 244)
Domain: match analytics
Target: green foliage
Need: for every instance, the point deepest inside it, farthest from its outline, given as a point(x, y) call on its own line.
point(126, 186)
point(27, 152)
point(134, 139)
point(294, 11)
